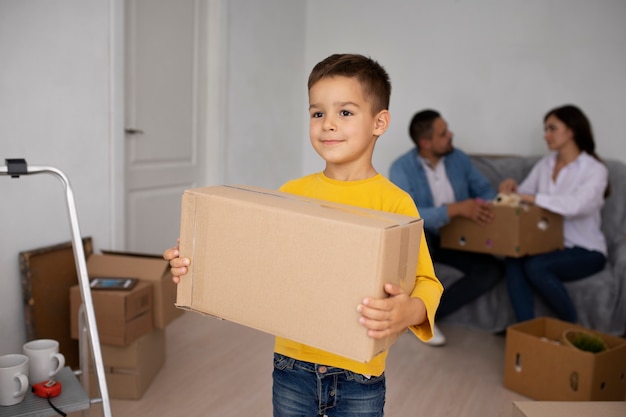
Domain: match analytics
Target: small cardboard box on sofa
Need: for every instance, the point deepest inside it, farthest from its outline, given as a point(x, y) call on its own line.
point(292, 266)
point(514, 232)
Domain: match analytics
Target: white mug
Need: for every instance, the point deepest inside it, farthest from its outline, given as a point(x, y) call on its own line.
point(13, 378)
point(45, 359)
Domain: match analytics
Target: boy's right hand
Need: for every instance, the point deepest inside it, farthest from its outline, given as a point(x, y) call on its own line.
point(178, 265)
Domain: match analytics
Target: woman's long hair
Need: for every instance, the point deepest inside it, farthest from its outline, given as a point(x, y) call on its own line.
point(579, 124)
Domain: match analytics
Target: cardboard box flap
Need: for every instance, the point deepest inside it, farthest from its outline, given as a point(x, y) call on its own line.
point(121, 266)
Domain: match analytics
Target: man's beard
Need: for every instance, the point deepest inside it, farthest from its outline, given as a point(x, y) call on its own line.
point(446, 152)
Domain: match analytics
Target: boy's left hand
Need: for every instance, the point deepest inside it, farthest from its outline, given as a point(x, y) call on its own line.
point(384, 317)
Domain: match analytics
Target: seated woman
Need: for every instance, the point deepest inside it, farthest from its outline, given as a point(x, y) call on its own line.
point(572, 181)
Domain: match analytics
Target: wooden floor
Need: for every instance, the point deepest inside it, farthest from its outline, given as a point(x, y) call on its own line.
point(217, 368)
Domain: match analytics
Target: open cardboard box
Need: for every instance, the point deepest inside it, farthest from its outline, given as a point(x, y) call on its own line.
point(292, 266)
point(569, 409)
point(514, 232)
point(539, 366)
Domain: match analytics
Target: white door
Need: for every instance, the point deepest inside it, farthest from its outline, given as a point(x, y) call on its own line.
point(166, 116)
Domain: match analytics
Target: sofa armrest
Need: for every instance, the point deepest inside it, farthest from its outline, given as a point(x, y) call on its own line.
point(618, 266)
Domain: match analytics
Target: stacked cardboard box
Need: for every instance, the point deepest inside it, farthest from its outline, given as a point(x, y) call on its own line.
point(131, 322)
point(130, 369)
point(122, 316)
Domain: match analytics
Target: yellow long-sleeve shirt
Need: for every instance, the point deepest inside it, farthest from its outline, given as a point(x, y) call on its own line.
point(376, 193)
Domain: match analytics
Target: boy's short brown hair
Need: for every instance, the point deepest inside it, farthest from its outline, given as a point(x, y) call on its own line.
point(370, 74)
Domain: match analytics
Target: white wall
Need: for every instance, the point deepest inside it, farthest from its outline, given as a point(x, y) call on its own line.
point(267, 102)
point(54, 111)
point(492, 67)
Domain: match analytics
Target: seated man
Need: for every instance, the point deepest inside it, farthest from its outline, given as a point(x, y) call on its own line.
point(444, 184)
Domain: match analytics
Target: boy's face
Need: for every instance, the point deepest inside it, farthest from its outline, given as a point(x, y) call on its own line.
point(342, 128)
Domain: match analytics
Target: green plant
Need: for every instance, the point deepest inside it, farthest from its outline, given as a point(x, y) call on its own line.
point(585, 341)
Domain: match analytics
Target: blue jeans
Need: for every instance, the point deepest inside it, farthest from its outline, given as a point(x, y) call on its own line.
point(544, 274)
point(304, 389)
point(481, 272)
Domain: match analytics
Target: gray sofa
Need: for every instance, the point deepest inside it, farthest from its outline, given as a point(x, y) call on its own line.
point(600, 298)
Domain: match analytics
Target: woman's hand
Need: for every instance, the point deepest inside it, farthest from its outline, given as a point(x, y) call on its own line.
point(508, 186)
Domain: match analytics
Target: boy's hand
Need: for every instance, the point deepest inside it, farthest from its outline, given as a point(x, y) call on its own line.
point(178, 265)
point(384, 317)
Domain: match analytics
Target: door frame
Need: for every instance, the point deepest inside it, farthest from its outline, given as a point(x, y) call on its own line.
point(213, 107)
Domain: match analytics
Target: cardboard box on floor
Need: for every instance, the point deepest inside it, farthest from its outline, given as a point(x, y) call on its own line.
point(569, 409)
point(539, 366)
point(129, 370)
point(147, 268)
point(515, 232)
point(292, 266)
point(121, 316)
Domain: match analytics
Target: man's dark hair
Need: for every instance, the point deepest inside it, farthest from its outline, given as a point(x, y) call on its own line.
point(370, 74)
point(421, 125)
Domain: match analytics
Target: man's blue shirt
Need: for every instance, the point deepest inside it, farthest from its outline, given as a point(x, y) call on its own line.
point(467, 182)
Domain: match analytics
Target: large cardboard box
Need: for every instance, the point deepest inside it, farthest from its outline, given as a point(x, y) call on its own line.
point(292, 266)
point(147, 268)
point(129, 370)
point(569, 409)
point(515, 232)
point(121, 316)
point(539, 366)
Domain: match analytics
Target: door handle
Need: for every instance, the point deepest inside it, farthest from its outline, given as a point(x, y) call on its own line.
point(130, 131)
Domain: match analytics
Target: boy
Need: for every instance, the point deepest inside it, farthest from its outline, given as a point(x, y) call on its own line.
point(348, 107)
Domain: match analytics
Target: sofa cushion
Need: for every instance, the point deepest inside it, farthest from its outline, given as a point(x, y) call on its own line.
point(614, 210)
